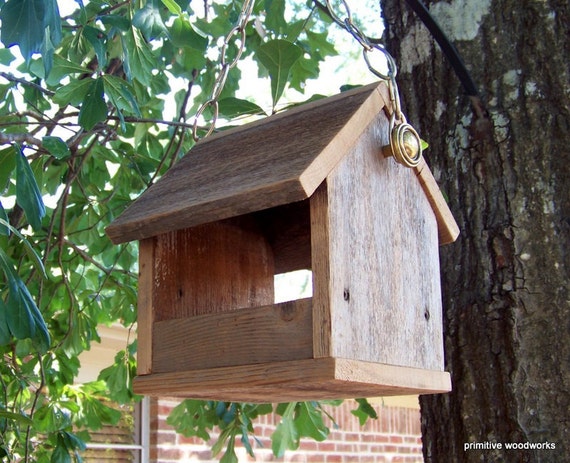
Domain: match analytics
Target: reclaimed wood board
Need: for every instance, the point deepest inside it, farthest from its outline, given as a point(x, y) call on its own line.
point(447, 227)
point(272, 333)
point(145, 309)
point(278, 160)
point(211, 268)
point(385, 297)
point(300, 380)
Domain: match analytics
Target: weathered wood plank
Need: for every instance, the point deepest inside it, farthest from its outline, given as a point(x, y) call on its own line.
point(312, 379)
point(211, 268)
point(145, 315)
point(320, 249)
point(447, 227)
point(254, 167)
point(288, 231)
point(264, 334)
point(384, 262)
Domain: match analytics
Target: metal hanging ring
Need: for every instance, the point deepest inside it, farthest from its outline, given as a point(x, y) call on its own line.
point(337, 18)
point(390, 62)
point(405, 145)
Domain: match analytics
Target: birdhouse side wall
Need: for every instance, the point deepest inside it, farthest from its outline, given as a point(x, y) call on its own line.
point(384, 262)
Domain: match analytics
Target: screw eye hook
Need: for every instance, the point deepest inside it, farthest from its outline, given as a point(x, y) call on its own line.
point(405, 145)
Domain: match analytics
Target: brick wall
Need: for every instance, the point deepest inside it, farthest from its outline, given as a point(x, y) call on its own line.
point(393, 437)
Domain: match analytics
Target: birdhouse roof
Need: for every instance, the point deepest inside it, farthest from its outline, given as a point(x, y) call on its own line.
point(278, 160)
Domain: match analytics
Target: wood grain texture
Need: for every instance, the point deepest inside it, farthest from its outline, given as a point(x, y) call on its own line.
point(145, 314)
point(217, 267)
point(447, 227)
point(384, 262)
point(320, 255)
point(264, 334)
point(276, 161)
point(300, 380)
point(288, 231)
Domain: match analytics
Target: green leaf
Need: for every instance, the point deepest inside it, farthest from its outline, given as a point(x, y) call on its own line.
point(41, 336)
point(18, 316)
point(22, 419)
point(52, 21)
point(5, 336)
point(61, 453)
point(50, 417)
point(56, 147)
point(73, 93)
point(64, 67)
point(139, 59)
point(29, 249)
point(118, 378)
point(23, 317)
point(93, 110)
point(28, 194)
point(182, 35)
point(97, 39)
point(230, 454)
point(286, 436)
point(172, 6)
point(364, 411)
point(121, 95)
point(149, 21)
point(7, 165)
point(278, 56)
point(320, 42)
point(275, 15)
point(232, 107)
point(23, 25)
point(309, 421)
point(48, 50)
point(4, 225)
point(192, 418)
point(6, 57)
point(117, 21)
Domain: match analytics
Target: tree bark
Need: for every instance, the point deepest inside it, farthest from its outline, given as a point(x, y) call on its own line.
point(505, 170)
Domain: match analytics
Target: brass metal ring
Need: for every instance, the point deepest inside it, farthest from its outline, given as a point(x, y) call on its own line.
point(405, 145)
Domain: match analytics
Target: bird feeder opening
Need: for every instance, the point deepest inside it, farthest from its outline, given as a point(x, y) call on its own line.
point(294, 285)
point(213, 285)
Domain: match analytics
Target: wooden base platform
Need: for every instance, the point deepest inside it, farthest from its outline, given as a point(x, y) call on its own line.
point(299, 380)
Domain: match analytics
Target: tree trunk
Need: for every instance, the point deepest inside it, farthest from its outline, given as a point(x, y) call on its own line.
point(505, 171)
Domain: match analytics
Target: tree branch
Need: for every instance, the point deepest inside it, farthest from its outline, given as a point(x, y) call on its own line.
point(13, 78)
point(19, 138)
point(85, 256)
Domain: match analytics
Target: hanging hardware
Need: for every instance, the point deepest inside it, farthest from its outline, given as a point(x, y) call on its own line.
point(225, 67)
point(405, 143)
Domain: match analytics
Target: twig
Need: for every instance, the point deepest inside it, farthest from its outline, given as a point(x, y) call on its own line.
point(13, 78)
point(33, 407)
point(88, 258)
point(19, 138)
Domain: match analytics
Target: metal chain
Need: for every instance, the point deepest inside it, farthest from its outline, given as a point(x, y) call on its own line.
point(368, 47)
point(405, 143)
point(237, 33)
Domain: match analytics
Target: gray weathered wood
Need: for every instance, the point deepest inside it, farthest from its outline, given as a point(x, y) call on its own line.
point(254, 201)
point(278, 160)
point(385, 291)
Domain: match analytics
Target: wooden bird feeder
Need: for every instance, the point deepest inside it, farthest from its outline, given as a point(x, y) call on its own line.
point(305, 189)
